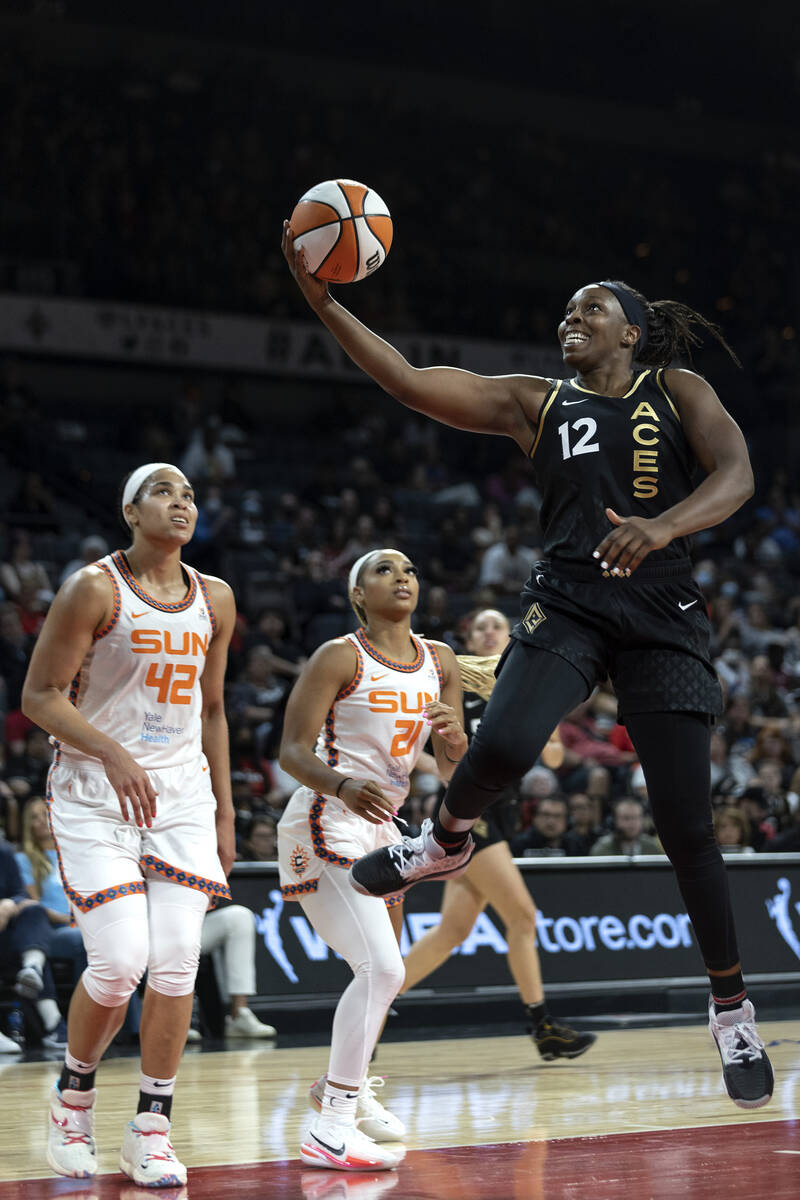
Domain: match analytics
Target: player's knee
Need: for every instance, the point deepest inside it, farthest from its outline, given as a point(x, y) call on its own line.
point(521, 921)
point(240, 921)
point(499, 758)
point(385, 970)
point(454, 929)
point(172, 969)
point(114, 971)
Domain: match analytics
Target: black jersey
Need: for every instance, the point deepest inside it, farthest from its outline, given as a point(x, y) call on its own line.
point(591, 452)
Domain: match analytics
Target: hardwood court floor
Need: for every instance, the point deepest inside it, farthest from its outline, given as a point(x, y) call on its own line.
point(642, 1114)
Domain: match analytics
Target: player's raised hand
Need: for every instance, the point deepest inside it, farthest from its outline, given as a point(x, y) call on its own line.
point(366, 799)
point(625, 547)
point(132, 785)
point(315, 290)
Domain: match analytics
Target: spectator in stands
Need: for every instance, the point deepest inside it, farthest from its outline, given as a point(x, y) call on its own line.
point(261, 842)
point(35, 503)
point(507, 564)
point(628, 835)
point(257, 699)
point(14, 653)
point(732, 830)
point(548, 834)
point(207, 459)
point(270, 630)
point(28, 763)
point(25, 937)
point(585, 825)
point(21, 568)
point(767, 706)
point(92, 548)
point(229, 936)
point(38, 868)
point(587, 741)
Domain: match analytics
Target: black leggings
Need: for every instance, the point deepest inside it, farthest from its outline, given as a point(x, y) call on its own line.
point(534, 691)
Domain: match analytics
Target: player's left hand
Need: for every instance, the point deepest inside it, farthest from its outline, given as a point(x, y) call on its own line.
point(226, 843)
point(624, 548)
point(443, 720)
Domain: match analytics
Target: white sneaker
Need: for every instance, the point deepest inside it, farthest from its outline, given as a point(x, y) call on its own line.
point(147, 1156)
point(247, 1025)
point(746, 1070)
point(371, 1117)
point(193, 1035)
point(393, 869)
point(29, 982)
point(70, 1140)
point(346, 1148)
point(9, 1046)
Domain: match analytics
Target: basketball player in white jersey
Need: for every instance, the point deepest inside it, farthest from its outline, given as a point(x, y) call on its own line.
point(127, 677)
point(355, 725)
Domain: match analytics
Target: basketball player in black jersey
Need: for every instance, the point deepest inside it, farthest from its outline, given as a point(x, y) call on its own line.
point(612, 451)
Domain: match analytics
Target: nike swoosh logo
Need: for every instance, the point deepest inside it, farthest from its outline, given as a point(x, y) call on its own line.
point(539, 578)
point(566, 403)
point(471, 703)
point(683, 607)
point(157, 1084)
point(331, 1149)
point(136, 616)
point(375, 678)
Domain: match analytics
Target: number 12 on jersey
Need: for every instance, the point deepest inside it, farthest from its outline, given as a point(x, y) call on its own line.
point(584, 444)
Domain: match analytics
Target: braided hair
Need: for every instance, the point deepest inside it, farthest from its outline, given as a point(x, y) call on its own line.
point(672, 330)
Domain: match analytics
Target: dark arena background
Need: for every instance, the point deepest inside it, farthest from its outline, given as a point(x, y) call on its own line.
point(148, 156)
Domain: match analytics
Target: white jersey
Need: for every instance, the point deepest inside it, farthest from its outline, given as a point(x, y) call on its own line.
point(376, 728)
point(140, 680)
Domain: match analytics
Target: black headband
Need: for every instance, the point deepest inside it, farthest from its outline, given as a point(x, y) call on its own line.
point(635, 312)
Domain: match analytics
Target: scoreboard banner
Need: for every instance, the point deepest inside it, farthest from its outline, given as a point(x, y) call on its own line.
point(601, 921)
point(142, 333)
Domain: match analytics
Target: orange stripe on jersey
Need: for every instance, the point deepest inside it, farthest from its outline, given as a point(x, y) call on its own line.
point(356, 680)
point(436, 663)
point(318, 837)
point(210, 607)
point(197, 883)
point(116, 610)
point(121, 563)
point(388, 662)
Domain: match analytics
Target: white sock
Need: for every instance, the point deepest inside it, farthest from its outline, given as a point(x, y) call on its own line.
point(49, 1012)
point(154, 1086)
point(339, 1105)
point(33, 958)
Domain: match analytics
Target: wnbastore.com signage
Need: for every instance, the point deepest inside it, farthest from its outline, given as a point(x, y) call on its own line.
point(598, 922)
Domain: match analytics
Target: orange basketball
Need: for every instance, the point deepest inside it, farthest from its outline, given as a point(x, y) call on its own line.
point(344, 230)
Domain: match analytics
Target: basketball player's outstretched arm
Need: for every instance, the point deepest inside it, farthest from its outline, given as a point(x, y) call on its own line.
point(82, 606)
point(501, 404)
point(330, 668)
point(215, 725)
point(719, 447)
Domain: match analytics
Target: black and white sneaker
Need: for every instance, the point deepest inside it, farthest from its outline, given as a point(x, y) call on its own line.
point(554, 1040)
point(746, 1070)
point(393, 869)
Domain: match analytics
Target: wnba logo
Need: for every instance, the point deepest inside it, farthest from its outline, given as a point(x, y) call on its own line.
point(778, 908)
point(373, 262)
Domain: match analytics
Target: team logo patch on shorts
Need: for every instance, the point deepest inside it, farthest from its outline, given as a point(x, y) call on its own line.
point(299, 860)
point(533, 617)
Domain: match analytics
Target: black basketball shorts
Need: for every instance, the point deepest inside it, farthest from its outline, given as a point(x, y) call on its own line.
point(648, 632)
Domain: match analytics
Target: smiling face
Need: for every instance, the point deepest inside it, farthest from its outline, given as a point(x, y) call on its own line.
point(388, 585)
point(165, 508)
point(488, 633)
point(594, 329)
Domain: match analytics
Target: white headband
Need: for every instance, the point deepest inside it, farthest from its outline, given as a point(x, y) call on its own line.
point(352, 578)
point(136, 480)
